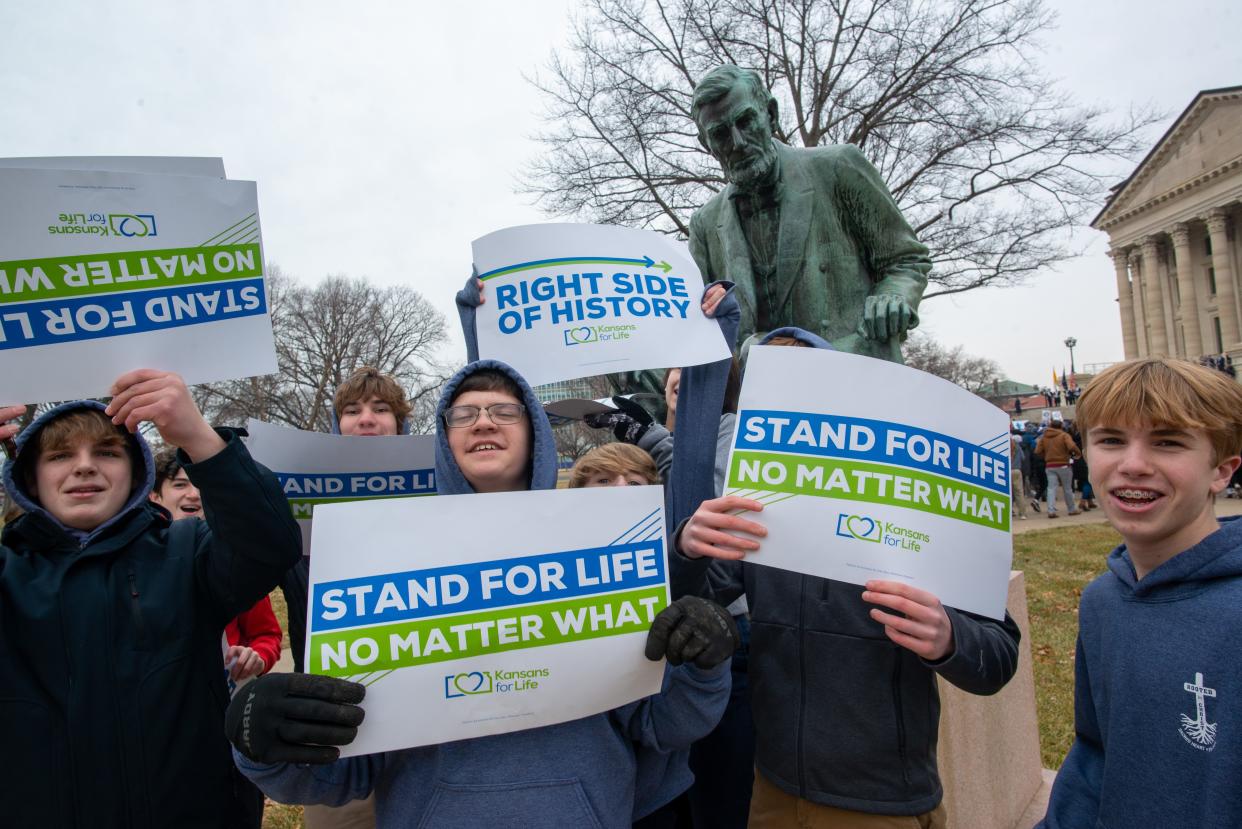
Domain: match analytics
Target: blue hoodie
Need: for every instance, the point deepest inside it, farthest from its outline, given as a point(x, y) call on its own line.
point(579, 773)
point(1158, 694)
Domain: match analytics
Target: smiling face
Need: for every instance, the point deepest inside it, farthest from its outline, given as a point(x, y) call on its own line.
point(84, 483)
point(738, 132)
point(493, 457)
point(180, 497)
point(1156, 486)
point(370, 418)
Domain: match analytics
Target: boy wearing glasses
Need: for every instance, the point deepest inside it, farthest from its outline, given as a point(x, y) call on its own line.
point(492, 437)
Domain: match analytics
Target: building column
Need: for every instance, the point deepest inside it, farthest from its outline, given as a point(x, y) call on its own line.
point(1125, 302)
point(1140, 312)
point(1153, 307)
point(1186, 287)
point(1224, 278)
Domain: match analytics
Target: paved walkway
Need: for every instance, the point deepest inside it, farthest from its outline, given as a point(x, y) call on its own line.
point(1041, 521)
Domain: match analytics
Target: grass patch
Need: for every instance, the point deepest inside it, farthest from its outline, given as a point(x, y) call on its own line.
point(1058, 564)
point(279, 816)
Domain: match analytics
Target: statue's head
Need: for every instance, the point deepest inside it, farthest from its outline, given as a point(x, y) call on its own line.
point(736, 117)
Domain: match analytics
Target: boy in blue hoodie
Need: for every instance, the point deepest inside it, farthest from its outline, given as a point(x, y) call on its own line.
point(112, 688)
point(492, 437)
point(1158, 682)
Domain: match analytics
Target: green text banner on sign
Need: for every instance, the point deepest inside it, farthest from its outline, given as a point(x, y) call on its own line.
point(103, 271)
point(872, 470)
point(468, 615)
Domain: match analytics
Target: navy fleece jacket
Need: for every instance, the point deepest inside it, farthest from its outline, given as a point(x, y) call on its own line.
point(1158, 694)
point(579, 773)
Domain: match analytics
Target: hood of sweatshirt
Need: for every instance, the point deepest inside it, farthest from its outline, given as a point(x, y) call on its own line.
point(1219, 556)
point(14, 468)
point(449, 477)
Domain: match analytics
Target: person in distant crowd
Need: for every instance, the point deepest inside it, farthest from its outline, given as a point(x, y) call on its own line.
point(1080, 473)
point(614, 464)
point(1037, 481)
point(1058, 452)
point(1017, 477)
point(113, 699)
point(1156, 672)
point(369, 403)
point(492, 436)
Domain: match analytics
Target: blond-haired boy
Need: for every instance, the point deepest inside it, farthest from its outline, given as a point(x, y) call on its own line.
point(1157, 676)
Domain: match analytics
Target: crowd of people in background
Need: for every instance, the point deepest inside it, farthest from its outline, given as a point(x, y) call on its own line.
point(1047, 458)
point(1220, 362)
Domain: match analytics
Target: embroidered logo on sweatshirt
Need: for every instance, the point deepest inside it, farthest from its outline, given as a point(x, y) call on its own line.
point(1198, 732)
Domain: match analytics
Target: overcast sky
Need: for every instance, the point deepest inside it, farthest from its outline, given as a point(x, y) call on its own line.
point(384, 137)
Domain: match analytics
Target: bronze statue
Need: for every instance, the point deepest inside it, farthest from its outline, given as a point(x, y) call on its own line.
point(811, 237)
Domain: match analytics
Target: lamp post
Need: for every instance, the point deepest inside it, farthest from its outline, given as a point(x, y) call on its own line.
point(1070, 342)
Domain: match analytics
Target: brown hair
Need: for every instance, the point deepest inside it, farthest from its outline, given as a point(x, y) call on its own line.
point(68, 430)
point(167, 465)
point(784, 340)
point(368, 382)
point(1176, 394)
point(489, 379)
point(613, 459)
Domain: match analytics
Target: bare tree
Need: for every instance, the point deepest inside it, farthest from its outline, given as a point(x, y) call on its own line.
point(975, 374)
point(990, 163)
point(324, 332)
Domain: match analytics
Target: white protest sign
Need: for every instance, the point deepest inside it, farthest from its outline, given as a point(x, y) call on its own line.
point(871, 470)
point(575, 300)
point(103, 272)
point(171, 165)
point(468, 615)
point(317, 468)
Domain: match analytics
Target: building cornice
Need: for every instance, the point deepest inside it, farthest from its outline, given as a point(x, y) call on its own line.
point(1185, 123)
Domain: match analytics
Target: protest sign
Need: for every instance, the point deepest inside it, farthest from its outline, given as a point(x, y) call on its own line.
point(871, 470)
point(317, 468)
point(170, 165)
point(575, 300)
point(103, 272)
point(468, 615)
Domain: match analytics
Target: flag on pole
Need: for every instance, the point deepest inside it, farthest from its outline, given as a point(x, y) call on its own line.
point(1064, 380)
point(1055, 381)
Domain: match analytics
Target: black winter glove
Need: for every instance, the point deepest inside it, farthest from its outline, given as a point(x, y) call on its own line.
point(629, 423)
point(693, 629)
point(294, 718)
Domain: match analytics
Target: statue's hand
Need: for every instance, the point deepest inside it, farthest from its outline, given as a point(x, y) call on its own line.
point(885, 316)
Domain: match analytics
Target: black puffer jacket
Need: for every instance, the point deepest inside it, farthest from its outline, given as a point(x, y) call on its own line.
point(112, 690)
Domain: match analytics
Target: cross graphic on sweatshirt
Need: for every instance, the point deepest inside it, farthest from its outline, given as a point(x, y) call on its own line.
point(1200, 692)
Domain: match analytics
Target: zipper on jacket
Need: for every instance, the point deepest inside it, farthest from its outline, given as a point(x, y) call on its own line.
point(901, 724)
point(801, 685)
point(135, 608)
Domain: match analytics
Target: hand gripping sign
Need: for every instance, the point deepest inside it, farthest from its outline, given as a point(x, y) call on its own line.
point(574, 300)
point(102, 272)
point(468, 615)
point(871, 470)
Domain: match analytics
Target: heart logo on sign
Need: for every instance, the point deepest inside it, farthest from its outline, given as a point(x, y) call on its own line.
point(582, 334)
point(855, 526)
point(462, 681)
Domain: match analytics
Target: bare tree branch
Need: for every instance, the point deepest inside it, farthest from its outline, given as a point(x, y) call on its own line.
point(987, 159)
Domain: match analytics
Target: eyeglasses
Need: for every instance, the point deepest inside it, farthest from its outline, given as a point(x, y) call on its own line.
point(501, 414)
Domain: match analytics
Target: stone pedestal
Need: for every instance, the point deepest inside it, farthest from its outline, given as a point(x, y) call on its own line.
point(989, 746)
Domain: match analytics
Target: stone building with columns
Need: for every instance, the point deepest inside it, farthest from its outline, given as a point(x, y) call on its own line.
point(1173, 236)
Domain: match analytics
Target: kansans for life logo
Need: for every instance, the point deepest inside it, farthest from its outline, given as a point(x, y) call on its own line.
point(859, 527)
point(475, 683)
point(584, 334)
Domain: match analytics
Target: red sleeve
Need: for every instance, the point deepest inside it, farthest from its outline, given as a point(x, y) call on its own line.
point(259, 630)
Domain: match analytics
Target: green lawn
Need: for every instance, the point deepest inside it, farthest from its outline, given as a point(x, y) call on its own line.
point(1058, 564)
